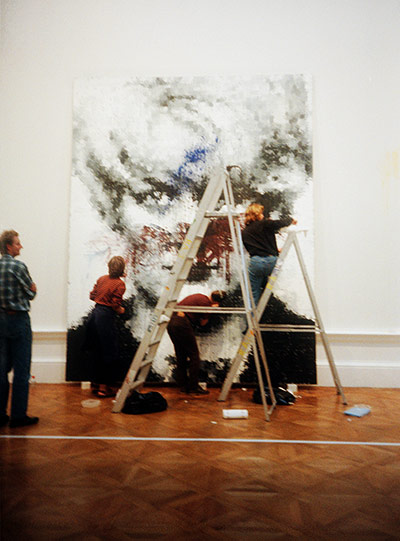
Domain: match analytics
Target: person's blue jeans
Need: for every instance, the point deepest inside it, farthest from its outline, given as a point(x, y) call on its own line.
point(259, 270)
point(15, 354)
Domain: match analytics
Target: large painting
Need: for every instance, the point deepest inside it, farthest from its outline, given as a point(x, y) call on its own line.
point(143, 151)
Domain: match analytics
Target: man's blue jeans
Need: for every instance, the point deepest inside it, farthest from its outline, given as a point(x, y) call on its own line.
point(15, 353)
point(259, 270)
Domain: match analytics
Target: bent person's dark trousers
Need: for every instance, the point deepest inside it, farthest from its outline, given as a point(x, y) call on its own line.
point(182, 335)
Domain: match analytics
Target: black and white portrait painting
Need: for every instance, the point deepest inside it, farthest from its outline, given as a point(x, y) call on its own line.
point(144, 150)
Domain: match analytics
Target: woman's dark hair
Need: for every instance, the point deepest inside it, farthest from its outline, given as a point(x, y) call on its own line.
point(218, 296)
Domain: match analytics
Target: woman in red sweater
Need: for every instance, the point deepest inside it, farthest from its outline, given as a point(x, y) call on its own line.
point(107, 293)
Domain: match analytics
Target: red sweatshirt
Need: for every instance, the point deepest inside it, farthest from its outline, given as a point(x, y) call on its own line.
point(108, 291)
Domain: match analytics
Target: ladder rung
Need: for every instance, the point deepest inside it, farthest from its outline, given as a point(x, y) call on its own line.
point(186, 258)
point(155, 343)
point(145, 363)
point(163, 321)
point(288, 328)
point(136, 384)
point(222, 214)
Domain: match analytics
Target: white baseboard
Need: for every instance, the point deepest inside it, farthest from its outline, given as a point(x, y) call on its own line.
point(48, 371)
point(49, 351)
point(361, 359)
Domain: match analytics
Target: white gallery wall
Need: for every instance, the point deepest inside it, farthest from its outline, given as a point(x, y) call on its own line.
point(351, 48)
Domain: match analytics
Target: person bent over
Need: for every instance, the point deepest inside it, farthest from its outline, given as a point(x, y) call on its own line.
point(181, 331)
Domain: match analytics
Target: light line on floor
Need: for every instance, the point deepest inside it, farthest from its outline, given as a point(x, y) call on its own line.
point(199, 440)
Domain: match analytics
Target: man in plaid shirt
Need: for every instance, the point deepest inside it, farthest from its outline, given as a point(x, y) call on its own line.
point(16, 291)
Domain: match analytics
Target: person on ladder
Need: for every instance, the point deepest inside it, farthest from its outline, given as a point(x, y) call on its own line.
point(259, 240)
point(181, 331)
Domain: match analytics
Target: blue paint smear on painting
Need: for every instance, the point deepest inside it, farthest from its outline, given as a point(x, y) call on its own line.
point(193, 168)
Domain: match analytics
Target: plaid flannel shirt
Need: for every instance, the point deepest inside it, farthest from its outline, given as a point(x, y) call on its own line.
point(15, 283)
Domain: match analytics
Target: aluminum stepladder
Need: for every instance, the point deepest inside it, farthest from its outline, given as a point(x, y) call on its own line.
point(145, 354)
point(243, 350)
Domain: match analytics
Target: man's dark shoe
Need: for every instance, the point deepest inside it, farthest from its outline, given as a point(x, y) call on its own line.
point(4, 420)
point(198, 391)
point(23, 421)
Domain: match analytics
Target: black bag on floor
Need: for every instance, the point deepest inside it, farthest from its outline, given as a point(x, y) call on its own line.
point(283, 397)
point(144, 403)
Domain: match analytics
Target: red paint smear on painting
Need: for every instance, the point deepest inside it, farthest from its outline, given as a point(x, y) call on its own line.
point(216, 248)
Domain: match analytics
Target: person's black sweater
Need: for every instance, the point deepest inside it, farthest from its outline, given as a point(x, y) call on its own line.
point(259, 237)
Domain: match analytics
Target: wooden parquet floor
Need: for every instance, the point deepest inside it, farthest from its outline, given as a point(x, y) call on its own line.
point(310, 473)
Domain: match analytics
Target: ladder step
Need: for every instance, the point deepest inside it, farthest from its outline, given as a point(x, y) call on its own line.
point(146, 363)
point(186, 259)
point(222, 214)
point(136, 384)
point(162, 319)
point(288, 328)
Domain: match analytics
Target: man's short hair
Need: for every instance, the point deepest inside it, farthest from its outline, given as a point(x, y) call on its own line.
point(116, 266)
point(218, 295)
point(7, 238)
